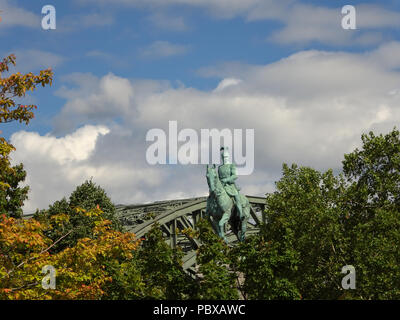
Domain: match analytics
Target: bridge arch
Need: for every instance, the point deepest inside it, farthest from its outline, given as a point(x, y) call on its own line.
point(176, 215)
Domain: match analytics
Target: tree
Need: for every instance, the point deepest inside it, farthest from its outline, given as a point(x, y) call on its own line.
point(218, 279)
point(87, 196)
point(317, 223)
point(373, 204)
point(304, 232)
point(12, 87)
point(374, 175)
point(162, 269)
point(111, 265)
point(267, 271)
point(375, 254)
point(83, 271)
point(12, 196)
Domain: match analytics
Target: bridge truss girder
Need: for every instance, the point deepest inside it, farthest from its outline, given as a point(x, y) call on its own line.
point(177, 215)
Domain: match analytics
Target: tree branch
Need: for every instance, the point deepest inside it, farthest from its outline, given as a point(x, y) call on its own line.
point(43, 251)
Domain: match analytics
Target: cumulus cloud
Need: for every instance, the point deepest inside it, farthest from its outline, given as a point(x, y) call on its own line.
point(56, 165)
point(74, 147)
point(95, 98)
point(309, 108)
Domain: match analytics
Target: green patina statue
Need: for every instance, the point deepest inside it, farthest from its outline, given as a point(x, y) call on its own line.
point(225, 203)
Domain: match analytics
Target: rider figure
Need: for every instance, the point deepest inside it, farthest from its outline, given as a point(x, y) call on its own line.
point(227, 175)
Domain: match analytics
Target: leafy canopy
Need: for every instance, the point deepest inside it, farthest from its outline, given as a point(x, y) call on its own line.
point(14, 87)
point(87, 196)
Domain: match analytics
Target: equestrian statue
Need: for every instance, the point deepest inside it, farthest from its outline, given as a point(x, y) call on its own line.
point(225, 203)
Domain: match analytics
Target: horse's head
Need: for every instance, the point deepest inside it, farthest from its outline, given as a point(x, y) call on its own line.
point(211, 175)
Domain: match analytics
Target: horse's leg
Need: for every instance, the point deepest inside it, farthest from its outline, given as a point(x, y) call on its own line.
point(212, 213)
point(215, 226)
point(222, 223)
point(243, 228)
point(243, 223)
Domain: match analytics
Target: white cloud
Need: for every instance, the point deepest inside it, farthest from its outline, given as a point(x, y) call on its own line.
point(375, 16)
point(303, 23)
point(115, 61)
point(221, 8)
point(56, 166)
point(75, 22)
point(95, 20)
point(165, 21)
point(112, 95)
point(308, 23)
point(387, 55)
point(31, 60)
point(163, 49)
point(75, 147)
point(224, 9)
point(226, 83)
point(12, 16)
point(99, 54)
point(309, 108)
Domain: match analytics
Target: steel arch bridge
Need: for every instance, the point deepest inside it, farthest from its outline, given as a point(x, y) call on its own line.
point(176, 215)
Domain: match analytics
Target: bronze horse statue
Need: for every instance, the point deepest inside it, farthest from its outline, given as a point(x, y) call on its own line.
point(221, 208)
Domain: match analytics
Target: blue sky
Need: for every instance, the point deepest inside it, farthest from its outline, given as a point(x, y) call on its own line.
point(123, 67)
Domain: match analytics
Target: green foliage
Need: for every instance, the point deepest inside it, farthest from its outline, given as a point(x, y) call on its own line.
point(376, 256)
point(12, 198)
point(15, 86)
point(299, 253)
point(83, 271)
point(317, 223)
point(162, 270)
point(127, 280)
point(267, 271)
point(218, 279)
point(305, 223)
point(12, 87)
point(373, 204)
point(87, 196)
point(374, 172)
